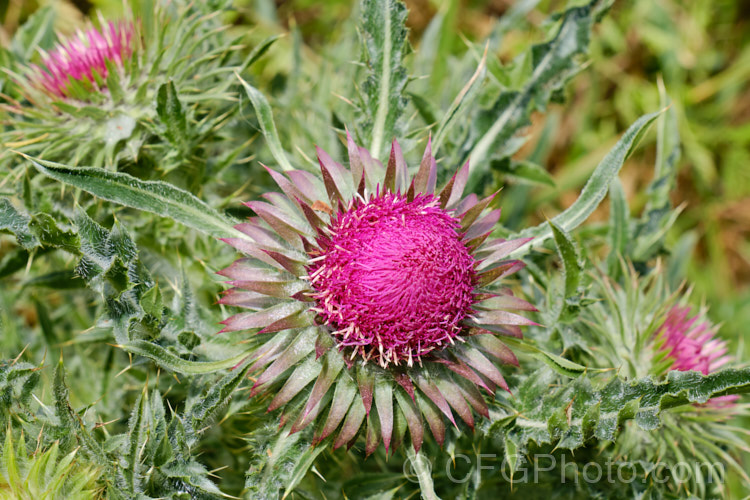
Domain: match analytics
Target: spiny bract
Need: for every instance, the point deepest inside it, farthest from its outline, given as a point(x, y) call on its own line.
point(385, 276)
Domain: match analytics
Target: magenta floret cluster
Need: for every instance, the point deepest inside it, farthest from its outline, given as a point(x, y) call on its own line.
point(393, 279)
point(82, 55)
point(691, 344)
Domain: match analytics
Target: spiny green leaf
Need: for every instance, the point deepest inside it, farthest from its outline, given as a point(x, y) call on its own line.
point(49, 233)
point(72, 422)
point(43, 474)
point(265, 118)
point(113, 85)
point(619, 225)
point(658, 215)
point(553, 63)
point(96, 249)
point(667, 155)
point(190, 476)
point(17, 381)
point(464, 98)
point(302, 466)
point(156, 197)
point(166, 359)
point(595, 189)
point(152, 302)
point(557, 363)
point(280, 463)
point(576, 411)
point(16, 223)
point(170, 112)
point(572, 267)
point(136, 438)
point(258, 52)
point(216, 397)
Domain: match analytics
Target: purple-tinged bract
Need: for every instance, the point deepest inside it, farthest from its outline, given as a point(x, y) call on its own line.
point(368, 290)
point(82, 56)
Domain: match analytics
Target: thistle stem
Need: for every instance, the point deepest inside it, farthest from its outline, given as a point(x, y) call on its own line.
point(421, 467)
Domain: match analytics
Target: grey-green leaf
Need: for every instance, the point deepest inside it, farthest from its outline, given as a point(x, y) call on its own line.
point(265, 118)
point(566, 247)
point(384, 36)
point(575, 411)
point(157, 197)
point(553, 64)
point(595, 189)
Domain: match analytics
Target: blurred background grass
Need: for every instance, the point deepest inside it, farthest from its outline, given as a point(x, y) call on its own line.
point(700, 49)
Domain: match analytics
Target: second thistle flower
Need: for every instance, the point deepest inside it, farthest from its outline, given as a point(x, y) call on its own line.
point(85, 58)
point(128, 91)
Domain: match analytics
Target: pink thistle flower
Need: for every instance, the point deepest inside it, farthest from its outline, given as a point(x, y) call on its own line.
point(394, 278)
point(692, 346)
point(82, 56)
point(370, 290)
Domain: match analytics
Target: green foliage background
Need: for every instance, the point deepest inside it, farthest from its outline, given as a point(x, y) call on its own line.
point(71, 276)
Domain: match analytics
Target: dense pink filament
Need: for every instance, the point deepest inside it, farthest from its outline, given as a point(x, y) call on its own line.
point(693, 347)
point(82, 55)
point(393, 279)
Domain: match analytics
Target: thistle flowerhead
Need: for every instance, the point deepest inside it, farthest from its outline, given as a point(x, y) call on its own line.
point(365, 286)
point(117, 94)
point(643, 328)
point(660, 333)
point(85, 57)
